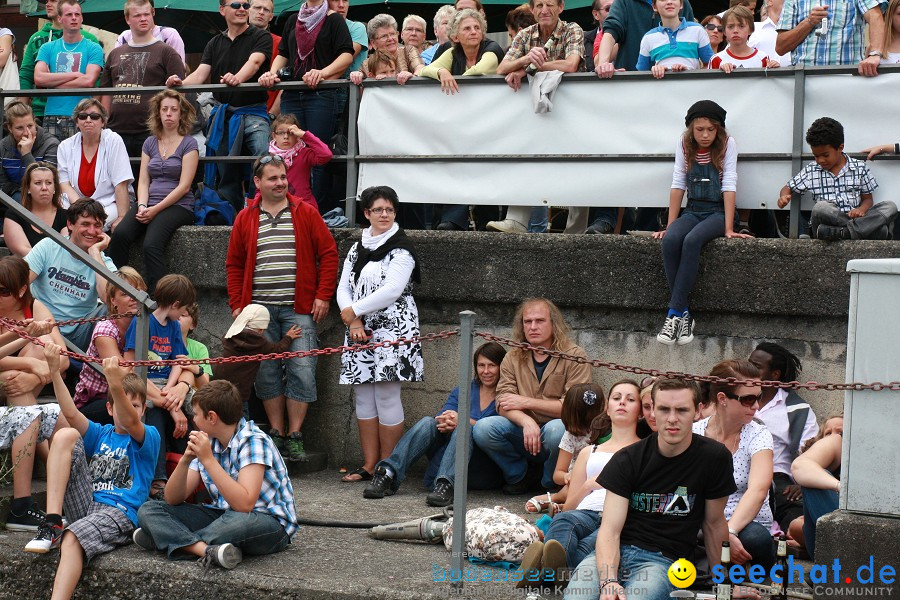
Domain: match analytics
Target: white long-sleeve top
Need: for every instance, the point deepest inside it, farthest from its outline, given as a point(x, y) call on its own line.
point(729, 167)
point(396, 278)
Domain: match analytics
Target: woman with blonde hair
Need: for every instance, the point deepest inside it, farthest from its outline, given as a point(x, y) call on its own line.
point(165, 202)
point(41, 196)
point(471, 54)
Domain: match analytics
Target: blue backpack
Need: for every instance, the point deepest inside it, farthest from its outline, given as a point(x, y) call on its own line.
point(210, 209)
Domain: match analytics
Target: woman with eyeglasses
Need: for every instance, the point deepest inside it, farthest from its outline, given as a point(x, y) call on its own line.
point(413, 33)
point(748, 511)
point(382, 30)
point(716, 32)
point(93, 163)
point(376, 302)
point(315, 47)
point(165, 202)
point(41, 196)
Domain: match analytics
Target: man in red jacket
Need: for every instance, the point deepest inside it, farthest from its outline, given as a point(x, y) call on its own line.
point(282, 255)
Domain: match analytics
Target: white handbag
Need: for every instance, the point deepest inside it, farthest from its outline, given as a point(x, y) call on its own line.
point(9, 79)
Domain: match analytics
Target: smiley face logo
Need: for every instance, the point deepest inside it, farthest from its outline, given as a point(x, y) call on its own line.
point(682, 573)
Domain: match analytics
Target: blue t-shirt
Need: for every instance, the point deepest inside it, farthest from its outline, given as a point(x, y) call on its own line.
point(165, 343)
point(475, 411)
point(65, 58)
point(64, 284)
point(121, 470)
point(358, 34)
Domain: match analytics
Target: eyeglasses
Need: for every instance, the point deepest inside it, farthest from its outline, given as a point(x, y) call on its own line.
point(237, 5)
point(719, 28)
point(283, 132)
point(91, 116)
point(387, 36)
point(5, 293)
point(387, 210)
point(746, 401)
point(266, 160)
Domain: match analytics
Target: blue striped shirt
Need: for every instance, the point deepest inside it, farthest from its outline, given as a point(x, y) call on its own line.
point(687, 45)
point(844, 40)
point(250, 446)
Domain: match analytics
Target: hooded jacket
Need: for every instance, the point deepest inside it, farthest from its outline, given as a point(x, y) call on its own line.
point(246, 343)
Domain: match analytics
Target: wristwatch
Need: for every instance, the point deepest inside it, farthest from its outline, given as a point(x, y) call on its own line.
point(875, 53)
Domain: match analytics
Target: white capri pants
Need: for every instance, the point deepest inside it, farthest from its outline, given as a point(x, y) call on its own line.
point(380, 400)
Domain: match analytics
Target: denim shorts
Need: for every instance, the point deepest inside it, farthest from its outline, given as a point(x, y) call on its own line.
point(294, 378)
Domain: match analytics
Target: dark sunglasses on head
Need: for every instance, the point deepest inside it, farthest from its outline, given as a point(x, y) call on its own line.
point(91, 116)
point(237, 5)
point(4, 293)
point(709, 26)
point(747, 401)
point(266, 160)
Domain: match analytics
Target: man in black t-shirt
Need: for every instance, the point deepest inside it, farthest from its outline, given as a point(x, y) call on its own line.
point(659, 493)
point(239, 54)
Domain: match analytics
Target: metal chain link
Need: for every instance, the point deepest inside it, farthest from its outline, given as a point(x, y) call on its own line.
point(791, 385)
point(76, 321)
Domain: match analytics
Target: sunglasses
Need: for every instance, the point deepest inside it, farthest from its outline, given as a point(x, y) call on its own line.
point(262, 162)
point(5, 293)
point(237, 5)
point(719, 28)
point(746, 401)
point(91, 116)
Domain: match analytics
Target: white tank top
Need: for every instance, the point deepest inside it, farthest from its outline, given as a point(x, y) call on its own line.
point(596, 461)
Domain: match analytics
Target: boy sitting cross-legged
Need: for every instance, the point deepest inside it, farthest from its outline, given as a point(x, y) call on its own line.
point(252, 507)
point(98, 474)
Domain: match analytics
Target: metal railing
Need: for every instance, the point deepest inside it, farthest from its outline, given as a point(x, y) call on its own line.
point(145, 304)
point(353, 159)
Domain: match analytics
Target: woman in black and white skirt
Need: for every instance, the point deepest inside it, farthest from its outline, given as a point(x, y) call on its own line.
point(375, 298)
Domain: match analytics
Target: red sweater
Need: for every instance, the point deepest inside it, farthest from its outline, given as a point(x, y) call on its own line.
point(317, 256)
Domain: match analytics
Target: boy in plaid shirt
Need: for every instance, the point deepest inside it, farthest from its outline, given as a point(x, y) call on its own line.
point(100, 474)
point(252, 501)
point(842, 188)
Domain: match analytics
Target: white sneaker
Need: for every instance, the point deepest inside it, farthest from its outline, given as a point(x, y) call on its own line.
point(506, 226)
point(670, 331)
point(686, 331)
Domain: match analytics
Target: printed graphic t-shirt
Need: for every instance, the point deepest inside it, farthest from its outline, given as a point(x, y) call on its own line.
point(667, 496)
point(121, 469)
point(64, 284)
point(66, 58)
point(165, 343)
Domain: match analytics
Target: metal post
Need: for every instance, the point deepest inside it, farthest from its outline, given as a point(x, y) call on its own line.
point(352, 151)
point(463, 439)
point(797, 151)
point(142, 340)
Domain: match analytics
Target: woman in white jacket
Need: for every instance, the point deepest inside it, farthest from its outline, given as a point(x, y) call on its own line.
point(93, 163)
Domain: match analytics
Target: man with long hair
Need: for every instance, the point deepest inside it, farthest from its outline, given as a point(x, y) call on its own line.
point(530, 395)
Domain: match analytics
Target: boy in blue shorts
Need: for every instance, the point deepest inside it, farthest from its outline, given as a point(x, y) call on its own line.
point(98, 474)
point(842, 188)
point(676, 45)
point(252, 501)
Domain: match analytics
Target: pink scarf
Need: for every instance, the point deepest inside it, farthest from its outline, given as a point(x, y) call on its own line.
point(309, 24)
point(289, 154)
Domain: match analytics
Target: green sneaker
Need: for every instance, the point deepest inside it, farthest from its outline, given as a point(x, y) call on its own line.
point(293, 446)
point(277, 439)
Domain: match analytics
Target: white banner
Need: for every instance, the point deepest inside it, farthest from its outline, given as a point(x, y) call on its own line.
point(625, 116)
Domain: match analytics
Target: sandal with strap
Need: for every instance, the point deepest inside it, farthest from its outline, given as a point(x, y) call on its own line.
point(539, 505)
point(361, 475)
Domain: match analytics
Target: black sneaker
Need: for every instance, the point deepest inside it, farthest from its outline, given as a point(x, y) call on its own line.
point(48, 537)
point(831, 233)
point(381, 485)
point(441, 495)
point(517, 489)
point(668, 335)
point(143, 540)
point(227, 556)
point(30, 520)
point(686, 330)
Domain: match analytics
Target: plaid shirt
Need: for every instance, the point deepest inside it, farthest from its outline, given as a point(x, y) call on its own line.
point(92, 384)
point(843, 44)
point(842, 190)
point(250, 446)
point(567, 39)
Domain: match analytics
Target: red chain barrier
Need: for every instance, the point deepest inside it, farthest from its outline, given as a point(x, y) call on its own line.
point(428, 337)
point(792, 385)
point(74, 321)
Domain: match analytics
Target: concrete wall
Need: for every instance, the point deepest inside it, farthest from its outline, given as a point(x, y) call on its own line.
point(611, 289)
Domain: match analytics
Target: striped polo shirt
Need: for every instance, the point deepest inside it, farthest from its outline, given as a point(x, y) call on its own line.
point(687, 45)
point(276, 259)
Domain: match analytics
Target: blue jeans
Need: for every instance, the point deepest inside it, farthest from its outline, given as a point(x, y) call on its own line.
point(642, 573)
point(576, 530)
point(757, 541)
point(681, 248)
point(503, 441)
point(80, 334)
point(425, 439)
point(294, 378)
point(606, 214)
point(317, 112)
point(539, 220)
point(816, 503)
point(231, 176)
point(175, 527)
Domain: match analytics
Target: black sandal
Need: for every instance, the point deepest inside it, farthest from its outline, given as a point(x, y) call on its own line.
point(363, 476)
